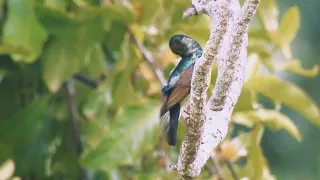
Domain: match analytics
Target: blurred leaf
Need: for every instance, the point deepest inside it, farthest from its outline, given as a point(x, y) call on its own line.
point(41, 151)
point(148, 11)
point(135, 127)
point(268, 13)
point(57, 22)
point(294, 66)
point(8, 49)
point(245, 101)
point(97, 104)
point(7, 169)
point(146, 175)
point(286, 51)
point(5, 151)
point(147, 73)
point(62, 59)
point(137, 32)
point(114, 174)
point(286, 33)
point(286, 93)
point(257, 166)
point(123, 91)
point(264, 52)
point(115, 36)
point(97, 65)
point(56, 4)
point(253, 66)
point(271, 118)
point(22, 29)
point(200, 30)
point(24, 126)
point(164, 56)
point(66, 56)
point(2, 74)
point(289, 26)
point(257, 34)
point(117, 12)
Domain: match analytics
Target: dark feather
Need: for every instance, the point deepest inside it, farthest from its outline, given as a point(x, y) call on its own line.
point(174, 117)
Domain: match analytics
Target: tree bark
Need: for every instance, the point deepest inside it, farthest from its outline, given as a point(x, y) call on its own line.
point(208, 123)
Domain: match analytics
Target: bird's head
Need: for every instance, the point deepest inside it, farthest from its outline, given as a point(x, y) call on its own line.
point(183, 46)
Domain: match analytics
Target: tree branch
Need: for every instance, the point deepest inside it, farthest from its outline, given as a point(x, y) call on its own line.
point(86, 80)
point(227, 44)
point(147, 56)
point(74, 123)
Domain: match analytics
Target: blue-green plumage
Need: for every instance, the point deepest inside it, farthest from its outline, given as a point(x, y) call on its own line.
point(178, 87)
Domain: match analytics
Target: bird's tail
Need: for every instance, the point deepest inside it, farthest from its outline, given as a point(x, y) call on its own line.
point(173, 125)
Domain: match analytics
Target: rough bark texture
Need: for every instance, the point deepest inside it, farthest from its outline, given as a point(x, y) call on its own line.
point(208, 121)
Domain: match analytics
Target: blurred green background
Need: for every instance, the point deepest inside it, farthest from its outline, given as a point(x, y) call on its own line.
point(289, 159)
point(79, 97)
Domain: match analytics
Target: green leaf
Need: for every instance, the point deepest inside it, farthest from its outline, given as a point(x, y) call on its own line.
point(264, 51)
point(133, 132)
point(8, 49)
point(268, 13)
point(23, 30)
point(271, 118)
point(148, 11)
point(97, 104)
point(286, 93)
point(289, 26)
point(123, 92)
point(245, 101)
point(257, 167)
point(294, 66)
point(137, 32)
point(66, 56)
point(61, 60)
point(253, 66)
point(57, 22)
point(24, 126)
point(97, 64)
point(2, 74)
point(115, 36)
point(199, 30)
point(258, 34)
point(56, 4)
point(117, 12)
point(41, 151)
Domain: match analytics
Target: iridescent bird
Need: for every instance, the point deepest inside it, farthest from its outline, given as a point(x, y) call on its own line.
point(179, 83)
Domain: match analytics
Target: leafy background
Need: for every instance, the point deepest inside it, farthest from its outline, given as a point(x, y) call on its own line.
point(79, 99)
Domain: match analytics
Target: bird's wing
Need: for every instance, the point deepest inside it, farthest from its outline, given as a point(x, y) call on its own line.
point(179, 92)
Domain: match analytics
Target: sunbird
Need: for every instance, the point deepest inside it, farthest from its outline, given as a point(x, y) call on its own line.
point(179, 83)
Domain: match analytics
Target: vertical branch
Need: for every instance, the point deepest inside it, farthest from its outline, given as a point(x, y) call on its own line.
point(200, 82)
point(71, 92)
point(228, 45)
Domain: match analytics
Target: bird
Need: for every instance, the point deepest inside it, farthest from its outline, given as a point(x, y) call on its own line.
point(179, 83)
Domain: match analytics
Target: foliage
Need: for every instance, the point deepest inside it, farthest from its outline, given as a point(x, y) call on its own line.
point(45, 43)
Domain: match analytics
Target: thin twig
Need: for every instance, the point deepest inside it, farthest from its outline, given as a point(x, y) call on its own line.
point(74, 123)
point(233, 172)
point(207, 168)
point(216, 165)
point(147, 55)
point(229, 165)
point(86, 80)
